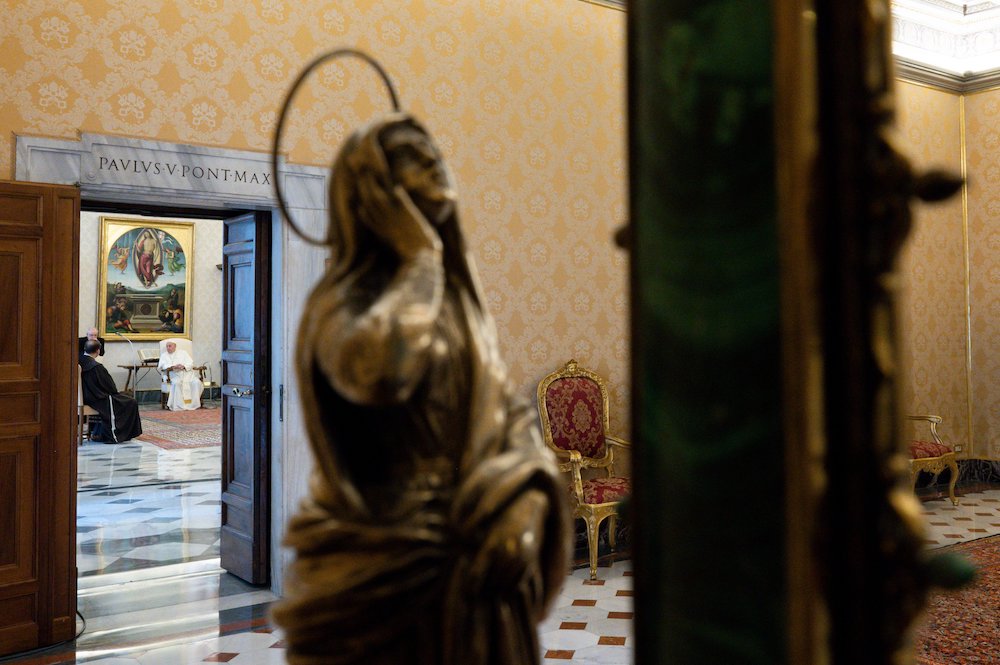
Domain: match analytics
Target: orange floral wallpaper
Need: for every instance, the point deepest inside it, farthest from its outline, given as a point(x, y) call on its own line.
point(983, 134)
point(932, 267)
point(525, 98)
point(950, 306)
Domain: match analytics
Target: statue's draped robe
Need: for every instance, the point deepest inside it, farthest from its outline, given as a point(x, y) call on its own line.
point(395, 564)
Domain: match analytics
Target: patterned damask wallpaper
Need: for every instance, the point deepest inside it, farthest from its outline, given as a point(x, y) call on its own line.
point(525, 98)
point(206, 322)
point(932, 267)
point(935, 273)
point(983, 132)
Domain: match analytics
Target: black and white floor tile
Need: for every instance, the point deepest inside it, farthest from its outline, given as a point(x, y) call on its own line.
point(106, 466)
point(139, 506)
point(151, 591)
point(131, 528)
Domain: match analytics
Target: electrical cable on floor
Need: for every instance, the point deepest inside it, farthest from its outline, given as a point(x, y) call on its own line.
point(83, 628)
point(34, 652)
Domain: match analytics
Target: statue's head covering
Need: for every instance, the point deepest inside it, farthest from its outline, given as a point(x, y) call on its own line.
point(363, 157)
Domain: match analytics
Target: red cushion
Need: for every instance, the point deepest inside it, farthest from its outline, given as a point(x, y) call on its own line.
point(605, 490)
point(576, 418)
point(921, 449)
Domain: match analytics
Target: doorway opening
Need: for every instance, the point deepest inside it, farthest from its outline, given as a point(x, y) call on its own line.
point(150, 506)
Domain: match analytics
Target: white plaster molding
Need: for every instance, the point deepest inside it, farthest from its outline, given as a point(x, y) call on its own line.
point(959, 39)
point(117, 168)
point(916, 72)
point(979, 7)
point(295, 265)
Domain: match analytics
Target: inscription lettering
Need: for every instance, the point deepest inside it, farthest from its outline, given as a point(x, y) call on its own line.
point(156, 168)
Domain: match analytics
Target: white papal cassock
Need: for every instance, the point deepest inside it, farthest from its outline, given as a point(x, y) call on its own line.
point(185, 385)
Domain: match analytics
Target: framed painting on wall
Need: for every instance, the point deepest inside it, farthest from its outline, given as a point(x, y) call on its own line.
point(145, 278)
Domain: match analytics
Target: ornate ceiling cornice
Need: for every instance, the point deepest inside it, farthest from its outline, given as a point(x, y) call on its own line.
point(915, 72)
point(961, 39)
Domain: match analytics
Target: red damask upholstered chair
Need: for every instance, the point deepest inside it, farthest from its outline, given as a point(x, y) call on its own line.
point(933, 456)
point(573, 406)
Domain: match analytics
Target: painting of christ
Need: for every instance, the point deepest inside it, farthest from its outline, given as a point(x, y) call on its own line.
point(145, 277)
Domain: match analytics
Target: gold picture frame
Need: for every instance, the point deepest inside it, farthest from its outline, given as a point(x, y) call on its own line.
point(145, 277)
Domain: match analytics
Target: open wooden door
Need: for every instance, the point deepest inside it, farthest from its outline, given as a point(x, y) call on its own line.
point(39, 281)
point(245, 400)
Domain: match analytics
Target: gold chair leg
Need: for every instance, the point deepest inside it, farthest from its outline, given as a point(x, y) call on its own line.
point(953, 466)
point(612, 521)
point(592, 525)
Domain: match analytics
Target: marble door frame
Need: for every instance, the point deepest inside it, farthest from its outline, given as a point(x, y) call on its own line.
point(84, 162)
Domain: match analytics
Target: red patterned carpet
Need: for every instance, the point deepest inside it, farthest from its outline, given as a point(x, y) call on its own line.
point(964, 626)
point(172, 430)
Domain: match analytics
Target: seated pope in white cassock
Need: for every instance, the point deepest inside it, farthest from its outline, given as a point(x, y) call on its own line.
point(184, 384)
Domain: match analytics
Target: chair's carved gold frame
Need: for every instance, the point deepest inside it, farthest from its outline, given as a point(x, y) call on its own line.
point(935, 465)
point(571, 461)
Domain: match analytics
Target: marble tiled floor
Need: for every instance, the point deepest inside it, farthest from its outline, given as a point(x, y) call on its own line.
point(202, 614)
point(592, 620)
point(151, 590)
point(213, 617)
point(105, 466)
point(977, 515)
point(198, 611)
point(131, 528)
point(139, 506)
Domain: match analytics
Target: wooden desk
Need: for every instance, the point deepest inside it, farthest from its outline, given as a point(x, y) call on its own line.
point(140, 372)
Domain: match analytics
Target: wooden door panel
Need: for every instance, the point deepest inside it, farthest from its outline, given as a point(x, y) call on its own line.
point(238, 374)
point(238, 500)
point(17, 514)
point(241, 469)
point(39, 266)
point(22, 208)
point(241, 282)
point(19, 409)
point(19, 301)
point(18, 623)
point(245, 415)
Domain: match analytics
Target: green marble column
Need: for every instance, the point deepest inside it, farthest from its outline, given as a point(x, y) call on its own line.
point(709, 503)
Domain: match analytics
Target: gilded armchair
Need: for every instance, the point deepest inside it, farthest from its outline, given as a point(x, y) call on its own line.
point(933, 456)
point(573, 406)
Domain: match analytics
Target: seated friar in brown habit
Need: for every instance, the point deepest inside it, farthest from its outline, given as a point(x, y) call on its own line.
point(119, 412)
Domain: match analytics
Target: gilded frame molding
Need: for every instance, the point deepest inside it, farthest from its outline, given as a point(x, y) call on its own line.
point(131, 304)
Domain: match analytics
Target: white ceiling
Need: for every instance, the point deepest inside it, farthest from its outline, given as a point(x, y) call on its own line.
point(956, 38)
point(948, 43)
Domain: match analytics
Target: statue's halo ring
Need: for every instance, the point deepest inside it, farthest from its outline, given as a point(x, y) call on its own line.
point(330, 55)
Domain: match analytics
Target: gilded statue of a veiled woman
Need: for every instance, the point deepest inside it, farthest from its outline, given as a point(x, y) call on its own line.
point(436, 528)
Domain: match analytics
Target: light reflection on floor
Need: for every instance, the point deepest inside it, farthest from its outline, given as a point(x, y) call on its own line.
point(152, 592)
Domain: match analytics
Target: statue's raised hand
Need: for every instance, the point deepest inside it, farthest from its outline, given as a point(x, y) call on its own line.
point(395, 218)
